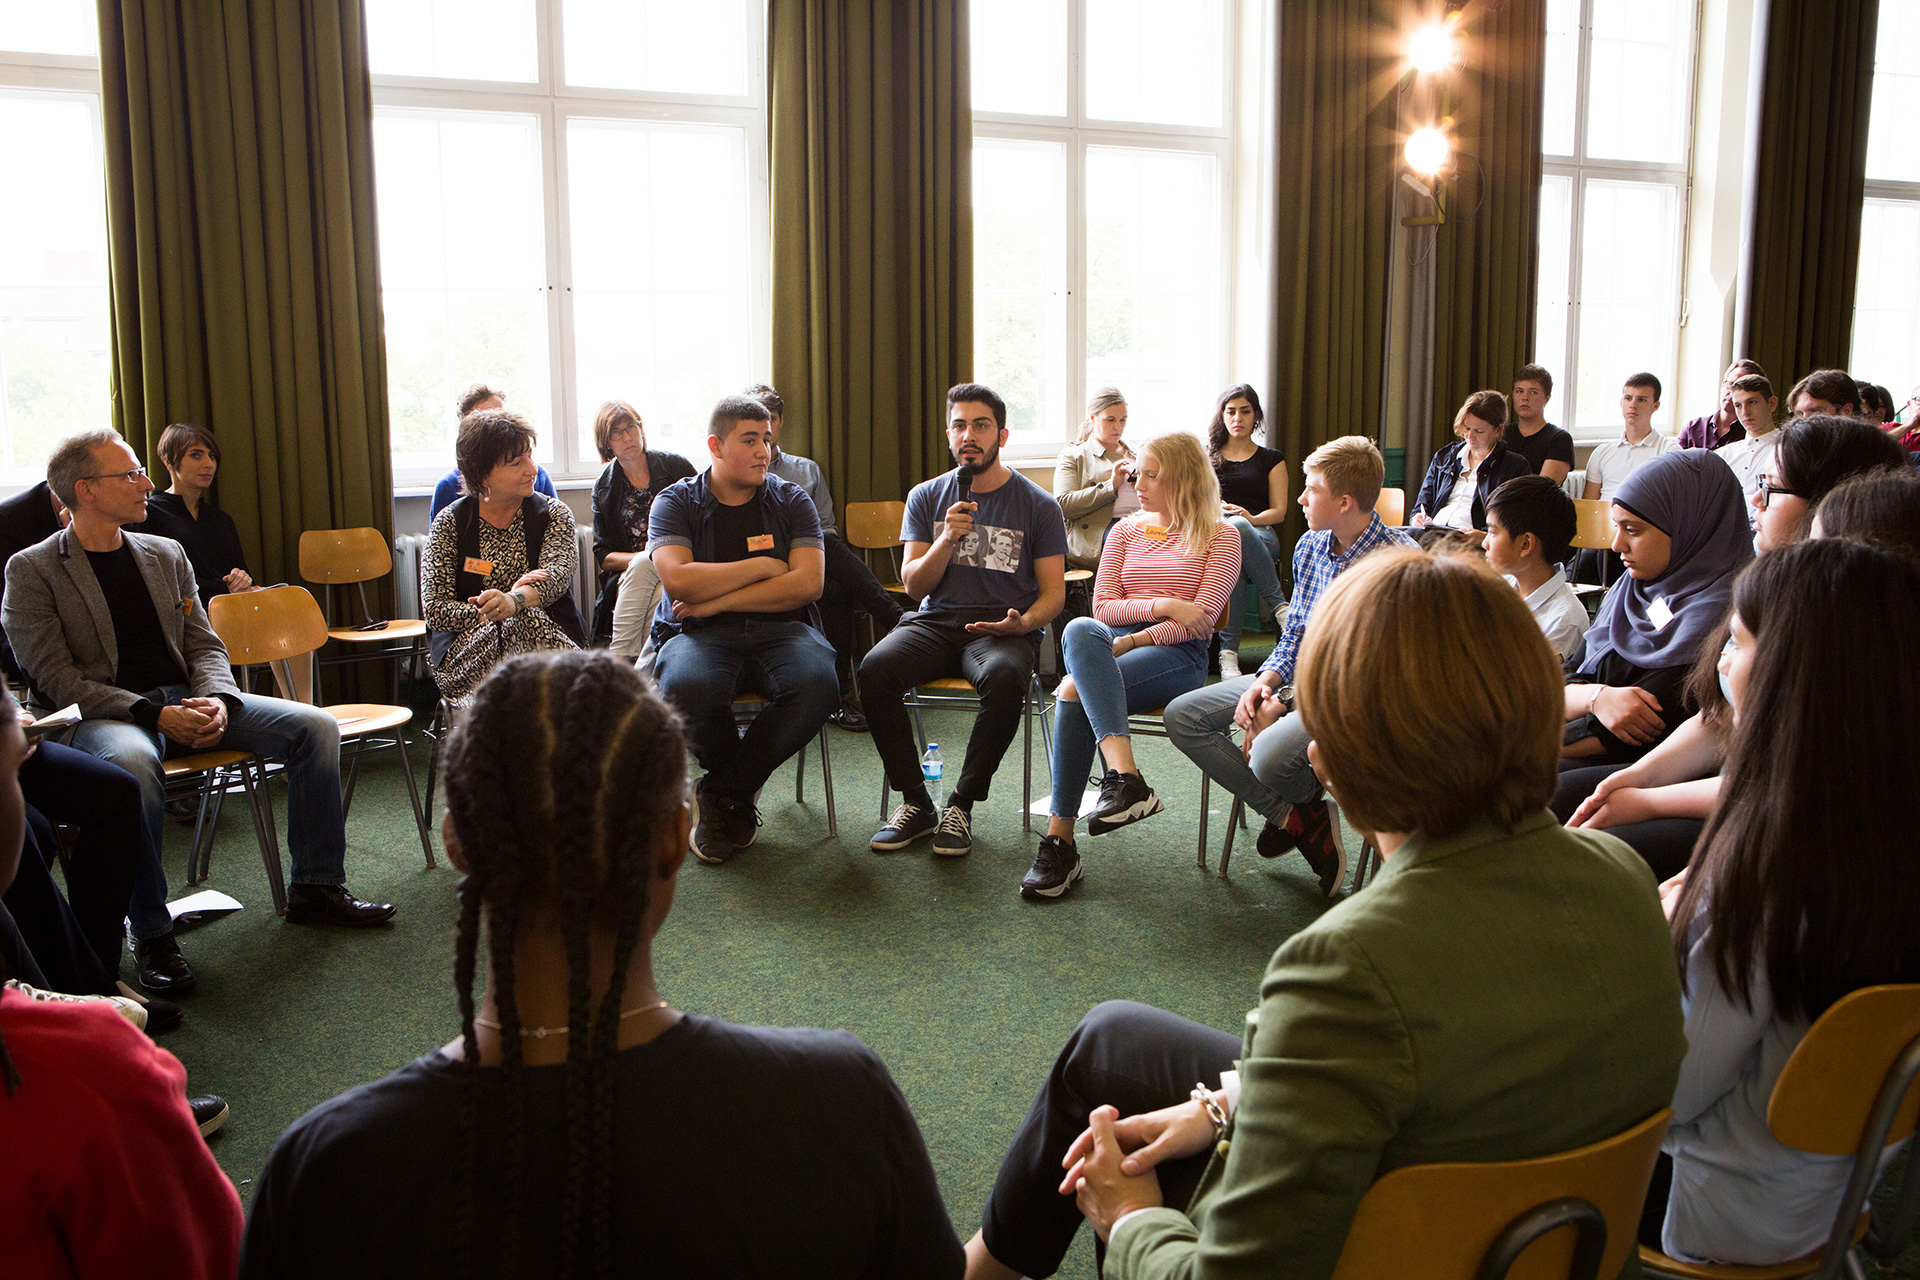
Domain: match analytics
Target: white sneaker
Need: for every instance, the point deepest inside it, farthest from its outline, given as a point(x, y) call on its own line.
point(1229, 664)
point(132, 1010)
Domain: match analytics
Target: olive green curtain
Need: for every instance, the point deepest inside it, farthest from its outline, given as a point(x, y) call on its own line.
point(1486, 256)
point(243, 271)
point(1803, 250)
point(1334, 149)
point(870, 140)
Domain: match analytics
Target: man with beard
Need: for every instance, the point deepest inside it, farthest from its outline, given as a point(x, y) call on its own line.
point(986, 556)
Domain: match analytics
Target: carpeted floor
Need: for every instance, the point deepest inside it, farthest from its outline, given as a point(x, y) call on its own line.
point(964, 989)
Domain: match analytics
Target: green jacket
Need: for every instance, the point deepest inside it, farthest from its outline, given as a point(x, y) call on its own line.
point(1490, 996)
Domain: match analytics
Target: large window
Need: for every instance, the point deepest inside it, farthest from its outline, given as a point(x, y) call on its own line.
point(1101, 156)
point(1886, 313)
point(1617, 127)
point(54, 343)
point(572, 201)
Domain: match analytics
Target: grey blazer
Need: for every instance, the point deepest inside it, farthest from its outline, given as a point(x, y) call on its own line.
point(56, 616)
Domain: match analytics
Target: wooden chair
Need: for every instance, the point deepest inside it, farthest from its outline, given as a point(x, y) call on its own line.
point(339, 557)
point(1594, 533)
point(280, 628)
point(1391, 506)
point(1848, 1090)
point(875, 526)
point(1571, 1216)
point(749, 705)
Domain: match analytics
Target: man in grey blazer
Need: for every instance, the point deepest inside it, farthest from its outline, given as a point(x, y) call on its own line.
point(111, 620)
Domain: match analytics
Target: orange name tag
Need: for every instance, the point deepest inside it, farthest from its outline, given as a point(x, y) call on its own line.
point(186, 607)
point(481, 567)
point(760, 542)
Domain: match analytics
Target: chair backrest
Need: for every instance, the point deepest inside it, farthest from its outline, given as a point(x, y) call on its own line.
point(276, 626)
point(1824, 1095)
point(1391, 506)
point(873, 526)
point(1440, 1221)
point(1595, 529)
point(344, 555)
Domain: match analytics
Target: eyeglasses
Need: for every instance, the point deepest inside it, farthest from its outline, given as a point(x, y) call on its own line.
point(626, 429)
point(1768, 488)
point(134, 476)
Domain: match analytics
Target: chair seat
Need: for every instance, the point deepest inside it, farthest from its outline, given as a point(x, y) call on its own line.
point(952, 683)
point(898, 588)
point(358, 718)
point(396, 629)
point(1078, 575)
point(751, 700)
point(201, 762)
point(1663, 1265)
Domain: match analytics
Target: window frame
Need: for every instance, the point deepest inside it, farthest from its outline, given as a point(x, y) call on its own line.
point(555, 103)
point(1077, 132)
point(1580, 168)
point(1890, 191)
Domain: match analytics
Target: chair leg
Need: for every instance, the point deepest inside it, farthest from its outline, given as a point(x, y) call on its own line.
point(413, 794)
point(800, 774)
point(265, 832)
point(353, 777)
point(1026, 764)
point(1236, 819)
point(1206, 790)
point(826, 776)
point(196, 855)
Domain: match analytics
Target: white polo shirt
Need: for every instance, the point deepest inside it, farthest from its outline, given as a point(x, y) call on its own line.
point(1615, 460)
point(1751, 458)
point(1559, 611)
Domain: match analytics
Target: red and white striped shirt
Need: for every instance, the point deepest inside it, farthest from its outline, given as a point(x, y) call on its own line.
point(1139, 567)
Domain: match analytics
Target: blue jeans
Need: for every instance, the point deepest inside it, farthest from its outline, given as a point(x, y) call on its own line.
point(789, 663)
point(304, 737)
point(1109, 689)
point(1258, 547)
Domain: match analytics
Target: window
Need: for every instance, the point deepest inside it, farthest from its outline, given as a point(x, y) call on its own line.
point(1886, 310)
point(1617, 128)
point(572, 203)
point(54, 337)
point(1102, 149)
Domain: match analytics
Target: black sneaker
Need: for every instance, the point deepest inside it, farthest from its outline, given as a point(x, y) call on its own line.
point(1054, 870)
point(1124, 798)
point(954, 836)
point(1281, 837)
point(743, 823)
point(908, 823)
point(209, 1112)
point(713, 834)
point(1320, 843)
point(850, 717)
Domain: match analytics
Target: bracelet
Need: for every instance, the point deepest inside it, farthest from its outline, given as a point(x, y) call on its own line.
point(1594, 700)
point(1215, 1112)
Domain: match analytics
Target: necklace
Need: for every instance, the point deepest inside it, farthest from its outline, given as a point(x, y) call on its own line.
point(541, 1033)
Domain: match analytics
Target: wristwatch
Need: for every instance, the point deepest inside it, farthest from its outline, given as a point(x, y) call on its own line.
point(519, 598)
point(1285, 696)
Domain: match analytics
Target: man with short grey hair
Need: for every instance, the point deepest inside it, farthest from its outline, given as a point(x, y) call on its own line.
point(111, 620)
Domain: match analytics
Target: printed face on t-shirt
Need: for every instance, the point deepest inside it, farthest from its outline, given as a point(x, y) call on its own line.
point(991, 547)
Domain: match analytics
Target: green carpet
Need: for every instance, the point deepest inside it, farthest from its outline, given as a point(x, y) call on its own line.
point(964, 989)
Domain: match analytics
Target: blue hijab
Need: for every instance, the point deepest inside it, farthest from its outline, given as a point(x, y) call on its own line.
point(1693, 497)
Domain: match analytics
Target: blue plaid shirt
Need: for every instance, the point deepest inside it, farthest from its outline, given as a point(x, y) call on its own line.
point(1315, 566)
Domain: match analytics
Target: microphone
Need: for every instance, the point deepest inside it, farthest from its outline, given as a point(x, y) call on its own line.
point(967, 471)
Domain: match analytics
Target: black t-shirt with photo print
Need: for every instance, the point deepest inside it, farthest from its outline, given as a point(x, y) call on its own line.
point(738, 533)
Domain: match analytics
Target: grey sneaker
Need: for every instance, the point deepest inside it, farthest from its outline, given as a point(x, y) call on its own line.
point(1124, 798)
point(1054, 870)
point(743, 826)
point(713, 833)
point(908, 823)
point(132, 1010)
point(954, 836)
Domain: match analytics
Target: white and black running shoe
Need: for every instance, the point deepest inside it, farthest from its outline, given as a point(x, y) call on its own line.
point(1054, 870)
point(1124, 798)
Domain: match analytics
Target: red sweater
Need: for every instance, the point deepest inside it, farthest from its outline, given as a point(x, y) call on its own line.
point(1138, 567)
point(105, 1172)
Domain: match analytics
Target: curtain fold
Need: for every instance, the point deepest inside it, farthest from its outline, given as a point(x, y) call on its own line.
point(870, 149)
point(243, 268)
point(1334, 147)
point(1486, 259)
point(1803, 249)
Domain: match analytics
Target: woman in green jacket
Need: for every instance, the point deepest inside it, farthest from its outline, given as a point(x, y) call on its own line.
point(1505, 988)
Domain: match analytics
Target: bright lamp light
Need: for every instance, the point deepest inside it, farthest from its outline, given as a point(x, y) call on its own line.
point(1430, 49)
point(1427, 151)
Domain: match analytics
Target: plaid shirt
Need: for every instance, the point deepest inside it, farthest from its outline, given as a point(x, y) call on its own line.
point(1315, 566)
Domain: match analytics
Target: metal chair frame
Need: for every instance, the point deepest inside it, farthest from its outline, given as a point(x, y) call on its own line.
point(209, 784)
point(749, 705)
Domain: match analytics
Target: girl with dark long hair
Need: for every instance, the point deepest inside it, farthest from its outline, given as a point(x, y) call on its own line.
point(1253, 499)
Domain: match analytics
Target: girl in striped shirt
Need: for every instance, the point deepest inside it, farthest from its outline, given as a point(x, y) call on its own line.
point(1165, 577)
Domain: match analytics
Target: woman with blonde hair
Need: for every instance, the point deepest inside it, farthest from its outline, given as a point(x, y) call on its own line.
point(1091, 475)
point(1165, 577)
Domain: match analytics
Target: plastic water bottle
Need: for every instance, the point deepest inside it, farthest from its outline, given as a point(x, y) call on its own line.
point(930, 767)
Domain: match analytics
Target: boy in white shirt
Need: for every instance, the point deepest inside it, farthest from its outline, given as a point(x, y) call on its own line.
point(1612, 462)
point(1530, 526)
point(1754, 404)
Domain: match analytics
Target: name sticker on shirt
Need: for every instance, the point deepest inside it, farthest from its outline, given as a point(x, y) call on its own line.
point(760, 542)
point(186, 607)
point(476, 565)
point(1659, 613)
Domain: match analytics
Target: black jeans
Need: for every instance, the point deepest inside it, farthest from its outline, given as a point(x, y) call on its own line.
point(926, 647)
point(850, 589)
point(1131, 1056)
point(101, 801)
point(48, 934)
point(1665, 844)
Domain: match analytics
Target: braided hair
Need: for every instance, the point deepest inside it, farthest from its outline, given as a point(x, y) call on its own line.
point(557, 780)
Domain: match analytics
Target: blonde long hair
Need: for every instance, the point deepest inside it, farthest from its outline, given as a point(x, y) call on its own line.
point(1190, 489)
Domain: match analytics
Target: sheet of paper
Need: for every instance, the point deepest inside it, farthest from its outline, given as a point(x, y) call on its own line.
point(204, 903)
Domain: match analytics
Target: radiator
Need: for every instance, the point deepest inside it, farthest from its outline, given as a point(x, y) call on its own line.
point(408, 548)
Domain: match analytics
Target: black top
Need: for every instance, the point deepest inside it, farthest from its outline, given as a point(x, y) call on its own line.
point(212, 542)
point(620, 515)
point(737, 1151)
point(1245, 483)
point(740, 532)
point(1668, 684)
point(1548, 444)
point(26, 518)
point(145, 665)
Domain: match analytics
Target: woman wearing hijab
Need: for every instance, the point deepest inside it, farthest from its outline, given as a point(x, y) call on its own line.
point(1680, 528)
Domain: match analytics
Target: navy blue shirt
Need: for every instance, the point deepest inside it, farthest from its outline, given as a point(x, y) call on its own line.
point(684, 515)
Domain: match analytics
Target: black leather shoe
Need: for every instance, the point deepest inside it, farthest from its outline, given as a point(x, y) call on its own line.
point(159, 966)
point(209, 1112)
point(162, 1016)
point(332, 904)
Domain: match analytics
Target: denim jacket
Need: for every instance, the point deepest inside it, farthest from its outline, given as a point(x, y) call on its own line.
point(683, 517)
point(1501, 465)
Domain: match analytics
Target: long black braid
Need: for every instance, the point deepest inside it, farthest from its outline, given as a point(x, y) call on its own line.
point(556, 781)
